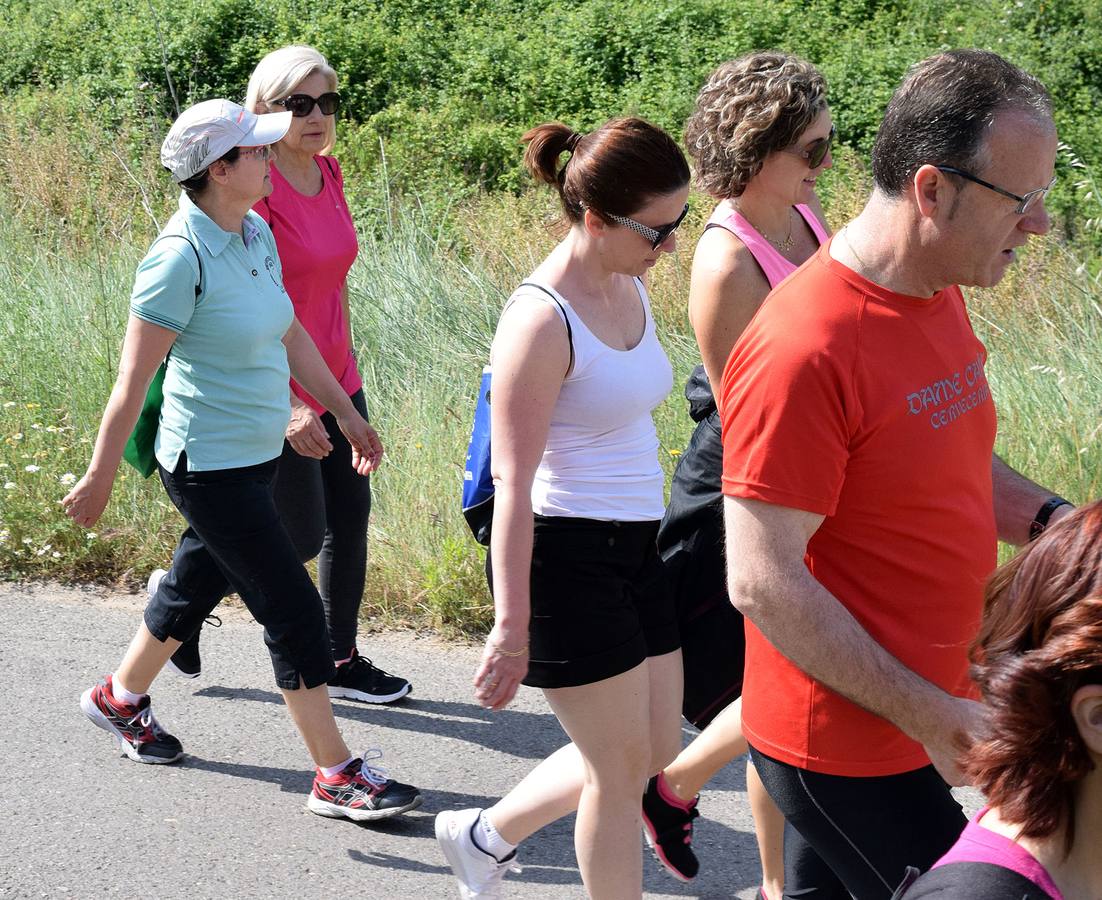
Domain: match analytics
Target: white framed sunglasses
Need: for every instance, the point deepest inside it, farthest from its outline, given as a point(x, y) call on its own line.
point(657, 236)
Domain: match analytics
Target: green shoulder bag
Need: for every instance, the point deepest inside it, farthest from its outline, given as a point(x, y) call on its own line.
point(139, 446)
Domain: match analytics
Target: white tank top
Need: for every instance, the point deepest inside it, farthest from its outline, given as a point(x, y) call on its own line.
point(601, 459)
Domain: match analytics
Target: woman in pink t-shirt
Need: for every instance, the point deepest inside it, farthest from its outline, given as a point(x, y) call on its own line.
point(1038, 663)
point(760, 136)
point(324, 505)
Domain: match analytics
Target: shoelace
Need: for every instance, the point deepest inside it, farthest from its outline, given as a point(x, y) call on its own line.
point(363, 662)
point(694, 813)
point(148, 721)
point(213, 621)
point(376, 776)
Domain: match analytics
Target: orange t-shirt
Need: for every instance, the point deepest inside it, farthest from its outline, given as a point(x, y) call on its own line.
point(872, 409)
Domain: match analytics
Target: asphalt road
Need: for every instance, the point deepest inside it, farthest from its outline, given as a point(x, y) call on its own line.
point(230, 819)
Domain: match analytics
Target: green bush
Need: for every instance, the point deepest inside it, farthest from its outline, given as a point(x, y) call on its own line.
point(447, 88)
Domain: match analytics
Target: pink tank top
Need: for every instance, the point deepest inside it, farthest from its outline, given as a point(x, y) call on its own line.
point(977, 844)
point(775, 266)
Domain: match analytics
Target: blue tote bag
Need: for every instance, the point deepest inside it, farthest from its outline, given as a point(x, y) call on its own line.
point(478, 482)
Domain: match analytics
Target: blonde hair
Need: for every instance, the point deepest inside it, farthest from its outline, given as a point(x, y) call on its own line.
point(280, 72)
point(748, 108)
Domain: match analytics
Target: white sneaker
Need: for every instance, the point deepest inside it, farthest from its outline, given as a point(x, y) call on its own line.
point(479, 874)
point(154, 580)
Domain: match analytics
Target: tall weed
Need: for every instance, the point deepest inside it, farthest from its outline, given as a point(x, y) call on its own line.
point(426, 293)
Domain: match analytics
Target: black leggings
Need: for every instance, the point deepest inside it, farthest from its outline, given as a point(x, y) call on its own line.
point(856, 836)
point(324, 505)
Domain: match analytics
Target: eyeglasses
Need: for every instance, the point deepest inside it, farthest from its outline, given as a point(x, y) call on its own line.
point(816, 153)
point(1025, 201)
point(300, 105)
point(264, 152)
point(657, 236)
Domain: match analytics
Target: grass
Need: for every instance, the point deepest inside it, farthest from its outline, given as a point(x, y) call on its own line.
point(426, 294)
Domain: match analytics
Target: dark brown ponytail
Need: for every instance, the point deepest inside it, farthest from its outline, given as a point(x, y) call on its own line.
point(616, 169)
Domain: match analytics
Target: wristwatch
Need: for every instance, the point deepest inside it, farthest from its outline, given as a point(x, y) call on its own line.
point(1040, 521)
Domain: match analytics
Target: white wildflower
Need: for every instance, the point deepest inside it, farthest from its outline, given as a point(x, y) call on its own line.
point(68, 478)
point(32, 469)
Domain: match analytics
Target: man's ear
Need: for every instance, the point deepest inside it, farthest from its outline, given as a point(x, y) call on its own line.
point(1086, 709)
point(933, 191)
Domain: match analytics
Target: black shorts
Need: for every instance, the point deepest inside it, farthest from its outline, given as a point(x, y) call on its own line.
point(601, 602)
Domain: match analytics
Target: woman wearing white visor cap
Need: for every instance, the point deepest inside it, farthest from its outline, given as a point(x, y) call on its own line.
point(209, 295)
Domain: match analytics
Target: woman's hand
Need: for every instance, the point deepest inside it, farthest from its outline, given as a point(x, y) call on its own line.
point(503, 667)
point(143, 348)
point(305, 433)
point(367, 449)
point(85, 503)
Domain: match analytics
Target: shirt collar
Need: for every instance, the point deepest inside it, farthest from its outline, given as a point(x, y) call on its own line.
point(214, 238)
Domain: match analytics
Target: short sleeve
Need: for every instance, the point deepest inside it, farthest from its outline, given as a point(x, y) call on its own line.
point(787, 408)
point(164, 286)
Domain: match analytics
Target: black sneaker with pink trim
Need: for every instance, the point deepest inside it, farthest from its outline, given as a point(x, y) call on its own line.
point(668, 828)
point(361, 792)
point(139, 735)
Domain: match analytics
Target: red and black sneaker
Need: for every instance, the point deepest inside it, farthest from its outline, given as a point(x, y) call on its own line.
point(668, 828)
point(138, 733)
point(361, 792)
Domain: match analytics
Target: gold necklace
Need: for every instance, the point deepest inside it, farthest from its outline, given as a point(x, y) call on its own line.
point(785, 244)
point(853, 250)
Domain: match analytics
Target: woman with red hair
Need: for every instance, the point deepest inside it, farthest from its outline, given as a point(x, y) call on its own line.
point(1038, 664)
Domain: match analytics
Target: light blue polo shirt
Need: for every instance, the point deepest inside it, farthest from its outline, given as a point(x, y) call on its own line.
point(227, 400)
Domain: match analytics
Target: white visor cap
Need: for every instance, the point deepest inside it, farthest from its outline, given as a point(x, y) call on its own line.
point(207, 131)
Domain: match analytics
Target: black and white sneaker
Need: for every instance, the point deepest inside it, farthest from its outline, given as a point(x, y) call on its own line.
point(361, 792)
point(185, 662)
point(139, 735)
point(359, 679)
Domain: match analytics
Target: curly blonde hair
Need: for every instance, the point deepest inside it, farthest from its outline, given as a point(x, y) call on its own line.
point(748, 108)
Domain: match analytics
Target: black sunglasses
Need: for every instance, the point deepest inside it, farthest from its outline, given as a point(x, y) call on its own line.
point(657, 236)
point(1025, 201)
point(300, 105)
point(817, 152)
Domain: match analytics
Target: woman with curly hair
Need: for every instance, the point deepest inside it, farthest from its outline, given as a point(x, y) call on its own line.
point(760, 135)
point(1038, 664)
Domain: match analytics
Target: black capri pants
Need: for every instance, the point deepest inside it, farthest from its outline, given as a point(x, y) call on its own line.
point(236, 541)
point(846, 836)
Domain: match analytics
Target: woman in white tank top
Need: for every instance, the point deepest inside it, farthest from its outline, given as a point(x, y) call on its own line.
point(582, 607)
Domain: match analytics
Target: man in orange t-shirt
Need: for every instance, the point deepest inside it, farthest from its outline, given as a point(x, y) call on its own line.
point(863, 498)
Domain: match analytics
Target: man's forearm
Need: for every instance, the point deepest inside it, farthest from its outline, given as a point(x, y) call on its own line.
point(1017, 500)
point(771, 585)
point(810, 627)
